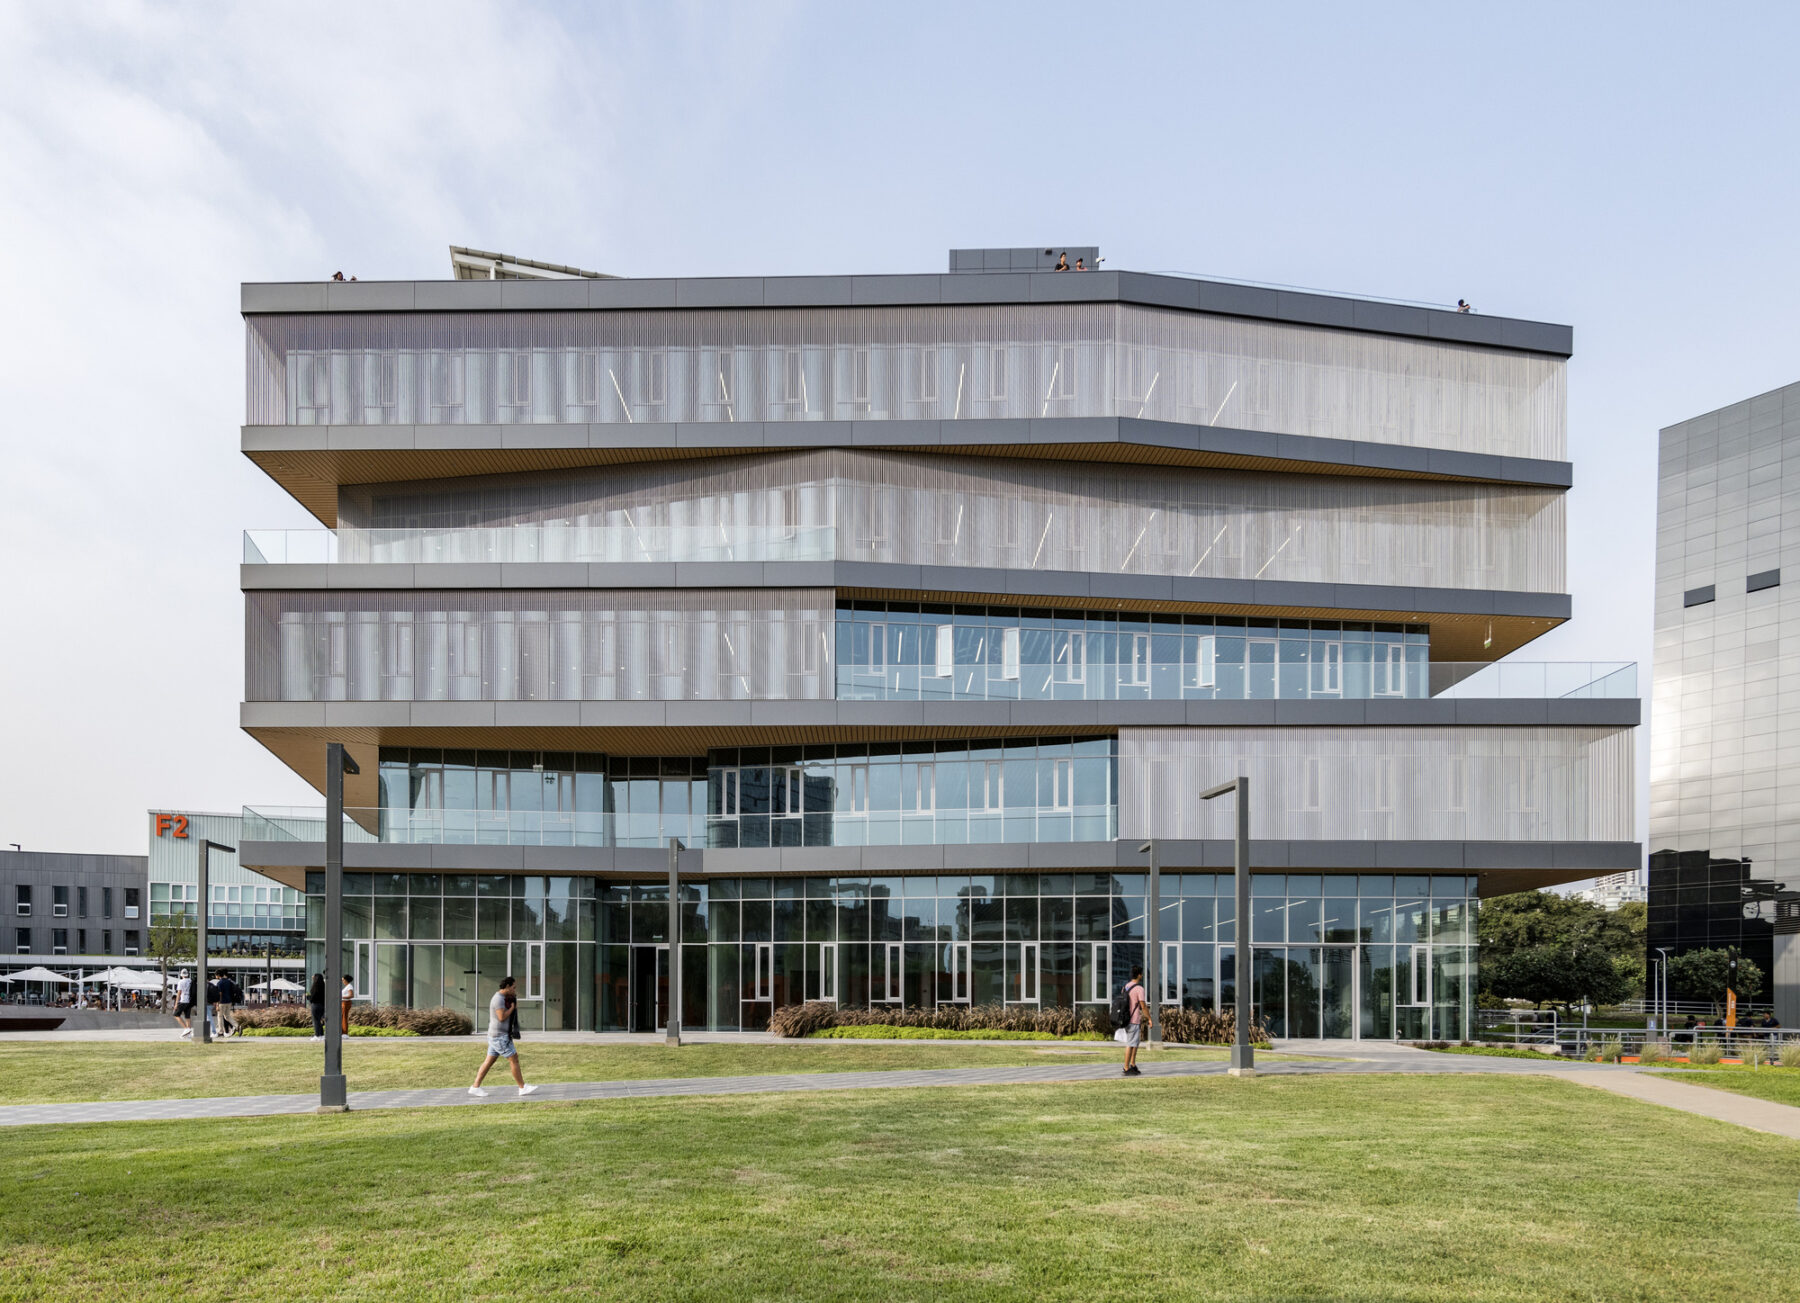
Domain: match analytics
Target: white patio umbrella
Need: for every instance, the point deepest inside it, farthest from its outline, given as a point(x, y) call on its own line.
point(40, 974)
point(279, 984)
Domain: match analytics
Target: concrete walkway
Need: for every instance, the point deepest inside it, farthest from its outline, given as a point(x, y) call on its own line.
point(1757, 1114)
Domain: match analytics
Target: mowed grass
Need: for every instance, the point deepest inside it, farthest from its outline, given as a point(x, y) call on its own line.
point(1367, 1187)
point(1782, 1085)
point(46, 1072)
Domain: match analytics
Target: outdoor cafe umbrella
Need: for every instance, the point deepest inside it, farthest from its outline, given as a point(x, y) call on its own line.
point(39, 974)
point(279, 984)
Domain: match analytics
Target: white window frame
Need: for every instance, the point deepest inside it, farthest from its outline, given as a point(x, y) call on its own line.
point(763, 983)
point(1062, 785)
point(877, 642)
point(587, 379)
point(1099, 972)
point(793, 376)
point(861, 371)
point(1420, 990)
point(944, 653)
point(925, 796)
point(1203, 670)
point(825, 957)
point(1390, 670)
point(1327, 669)
point(656, 378)
point(1139, 665)
point(997, 366)
point(889, 983)
point(534, 971)
point(1009, 652)
point(859, 789)
point(730, 793)
point(1170, 974)
point(1030, 985)
point(927, 383)
point(993, 785)
point(521, 379)
point(1069, 664)
point(956, 957)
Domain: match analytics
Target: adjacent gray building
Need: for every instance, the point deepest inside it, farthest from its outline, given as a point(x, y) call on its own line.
point(912, 604)
point(70, 911)
point(1725, 735)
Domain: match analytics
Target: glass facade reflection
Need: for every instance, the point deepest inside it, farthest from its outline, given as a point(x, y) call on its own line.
point(1333, 955)
point(900, 363)
point(908, 651)
point(846, 794)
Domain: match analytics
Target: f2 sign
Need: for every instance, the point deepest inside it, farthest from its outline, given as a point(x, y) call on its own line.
point(166, 822)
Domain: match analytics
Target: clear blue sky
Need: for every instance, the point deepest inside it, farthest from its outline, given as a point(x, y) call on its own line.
point(1627, 169)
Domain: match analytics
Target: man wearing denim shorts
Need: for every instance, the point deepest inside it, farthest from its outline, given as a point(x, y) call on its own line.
point(1134, 1030)
point(500, 1044)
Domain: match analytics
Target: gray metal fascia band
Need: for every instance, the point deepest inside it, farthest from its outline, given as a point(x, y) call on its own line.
point(1022, 857)
point(1017, 587)
point(743, 437)
point(1146, 289)
point(1047, 717)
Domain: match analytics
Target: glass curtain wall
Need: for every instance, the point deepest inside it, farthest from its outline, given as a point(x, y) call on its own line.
point(1372, 956)
point(908, 651)
point(933, 509)
point(900, 363)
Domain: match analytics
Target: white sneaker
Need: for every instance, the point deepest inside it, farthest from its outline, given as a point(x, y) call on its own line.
point(477, 1090)
point(187, 1031)
point(526, 1090)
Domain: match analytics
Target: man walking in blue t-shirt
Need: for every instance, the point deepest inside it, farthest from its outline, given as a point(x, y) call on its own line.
point(501, 1010)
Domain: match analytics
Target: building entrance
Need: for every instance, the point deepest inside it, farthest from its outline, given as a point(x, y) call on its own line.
point(649, 988)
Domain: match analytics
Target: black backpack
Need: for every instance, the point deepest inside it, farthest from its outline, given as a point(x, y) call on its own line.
point(1121, 1005)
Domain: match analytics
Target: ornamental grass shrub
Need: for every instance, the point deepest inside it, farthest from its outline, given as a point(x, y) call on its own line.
point(1653, 1052)
point(1705, 1052)
point(1610, 1050)
point(1180, 1026)
point(272, 1015)
point(1790, 1054)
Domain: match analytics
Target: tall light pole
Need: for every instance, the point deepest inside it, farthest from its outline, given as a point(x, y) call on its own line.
point(1662, 992)
point(673, 1030)
point(334, 1097)
point(1153, 938)
point(204, 890)
point(1243, 1058)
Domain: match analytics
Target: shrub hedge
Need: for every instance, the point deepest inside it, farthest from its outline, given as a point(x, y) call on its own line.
point(420, 1022)
point(1179, 1026)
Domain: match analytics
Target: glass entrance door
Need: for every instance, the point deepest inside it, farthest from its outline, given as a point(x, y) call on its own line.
point(649, 988)
point(1337, 982)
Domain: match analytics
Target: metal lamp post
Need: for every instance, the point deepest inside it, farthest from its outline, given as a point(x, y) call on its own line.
point(1662, 991)
point(334, 1096)
point(1153, 977)
point(1243, 1058)
point(204, 891)
point(673, 1030)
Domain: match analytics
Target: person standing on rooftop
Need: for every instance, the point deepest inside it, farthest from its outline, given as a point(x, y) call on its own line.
point(1062, 263)
point(1463, 305)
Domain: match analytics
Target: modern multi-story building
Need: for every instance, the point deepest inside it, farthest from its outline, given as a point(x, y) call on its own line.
point(1614, 890)
point(1725, 725)
point(254, 923)
point(71, 911)
point(913, 605)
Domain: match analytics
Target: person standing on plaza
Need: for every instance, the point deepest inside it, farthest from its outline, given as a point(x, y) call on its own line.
point(1134, 1028)
point(502, 1009)
point(184, 1003)
point(315, 1000)
point(345, 997)
point(230, 996)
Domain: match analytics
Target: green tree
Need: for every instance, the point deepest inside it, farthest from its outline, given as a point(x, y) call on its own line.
point(170, 944)
point(1702, 975)
point(1527, 920)
point(1556, 974)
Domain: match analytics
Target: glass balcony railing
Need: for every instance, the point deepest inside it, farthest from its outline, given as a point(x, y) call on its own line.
point(1515, 679)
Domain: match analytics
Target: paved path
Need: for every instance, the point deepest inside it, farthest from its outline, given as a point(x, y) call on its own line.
point(1725, 1106)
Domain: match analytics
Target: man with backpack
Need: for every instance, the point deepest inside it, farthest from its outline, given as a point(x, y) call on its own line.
point(1130, 1007)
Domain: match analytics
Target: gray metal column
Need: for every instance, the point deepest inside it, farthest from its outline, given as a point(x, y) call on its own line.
point(1153, 941)
point(333, 1094)
point(200, 1001)
point(1243, 1058)
point(673, 1034)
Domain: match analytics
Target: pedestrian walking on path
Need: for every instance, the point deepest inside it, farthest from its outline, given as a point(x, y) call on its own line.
point(502, 1010)
point(1134, 1026)
point(184, 1004)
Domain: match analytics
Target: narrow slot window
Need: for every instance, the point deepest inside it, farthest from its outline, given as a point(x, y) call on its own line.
point(859, 375)
point(944, 660)
point(658, 377)
point(1063, 785)
point(1203, 662)
point(588, 378)
point(928, 375)
point(996, 373)
point(1138, 668)
point(521, 379)
point(1009, 653)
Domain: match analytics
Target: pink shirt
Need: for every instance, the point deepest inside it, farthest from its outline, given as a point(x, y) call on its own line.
point(1137, 1002)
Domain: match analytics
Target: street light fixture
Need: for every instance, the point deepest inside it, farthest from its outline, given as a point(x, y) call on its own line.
point(672, 1031)
point(1243, 1058)
point(333, 1094)
point(204, 891)
point(1153, 976)
point(1662, 991)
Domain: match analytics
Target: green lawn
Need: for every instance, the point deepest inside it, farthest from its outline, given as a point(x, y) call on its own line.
point(46, 1072)
point(1779, 1084)
point(1379, 1187)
